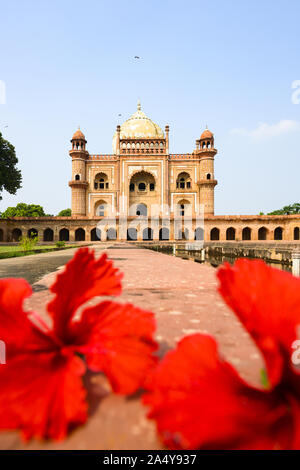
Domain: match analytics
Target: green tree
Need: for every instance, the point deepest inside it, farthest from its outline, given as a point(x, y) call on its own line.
point(65, 213)
point(24, 210)
point(287, 210)
point(10, 176)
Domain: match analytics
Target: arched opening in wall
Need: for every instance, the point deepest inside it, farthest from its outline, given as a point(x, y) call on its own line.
point(183, 207)
point(101, 208)
point(278, 233)
point(164, 233)
point(80, 235)
point(208, 176)
point(64, 235)
point(215, 234)
point(1, 235)
point(48, 235)
point(132, 234)
point(77, 177)
point(230, 233)
point(142, 182)
point(262, 233)
point(111, 234)
point(16, 234)
point(141, 209)
point(101, 181)
point(246, 233)
point(147, 234)
point(183, 180)
point(32, 233)
point(199, 234)
point(296, 233)
point(95, 235)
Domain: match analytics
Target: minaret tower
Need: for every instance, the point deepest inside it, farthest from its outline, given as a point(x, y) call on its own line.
point(78, 183)
point(206, 151)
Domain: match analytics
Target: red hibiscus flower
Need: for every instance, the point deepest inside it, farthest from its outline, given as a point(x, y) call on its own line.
point(198, 399)
point(41, 390)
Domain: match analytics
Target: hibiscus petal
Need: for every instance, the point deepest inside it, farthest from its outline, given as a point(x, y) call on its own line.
point(267, 301)
point(117, 339)
point(83, 278)
point(199, 401)
point(42, 395)
point(16, 329)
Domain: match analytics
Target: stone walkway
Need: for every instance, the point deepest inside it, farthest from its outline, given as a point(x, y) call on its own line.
point(183, 296)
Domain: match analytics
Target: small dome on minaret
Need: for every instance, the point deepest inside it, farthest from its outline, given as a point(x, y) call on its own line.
point(206, 134)
point(78, 141)
point(78, 135)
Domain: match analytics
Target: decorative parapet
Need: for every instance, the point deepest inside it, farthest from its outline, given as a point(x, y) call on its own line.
point(142, 146)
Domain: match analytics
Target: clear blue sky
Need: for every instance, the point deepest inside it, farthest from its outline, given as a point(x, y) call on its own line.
point(229, 64)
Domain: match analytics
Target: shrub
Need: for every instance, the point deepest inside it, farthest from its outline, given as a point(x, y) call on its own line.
point(28, 243)
point(60, 244)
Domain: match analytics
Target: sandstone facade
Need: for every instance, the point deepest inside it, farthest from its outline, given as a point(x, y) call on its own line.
point(143, 192)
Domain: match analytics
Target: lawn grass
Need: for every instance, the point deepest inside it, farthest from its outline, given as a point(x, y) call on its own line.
point(13, 251)
point(8, 248)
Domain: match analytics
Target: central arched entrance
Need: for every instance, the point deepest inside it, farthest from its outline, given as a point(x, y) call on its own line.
point(142, 193)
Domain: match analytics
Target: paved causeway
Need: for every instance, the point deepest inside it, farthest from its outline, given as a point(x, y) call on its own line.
point(183, 295)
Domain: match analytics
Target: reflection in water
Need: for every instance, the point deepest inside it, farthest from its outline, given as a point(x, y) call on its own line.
point(180, 252)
